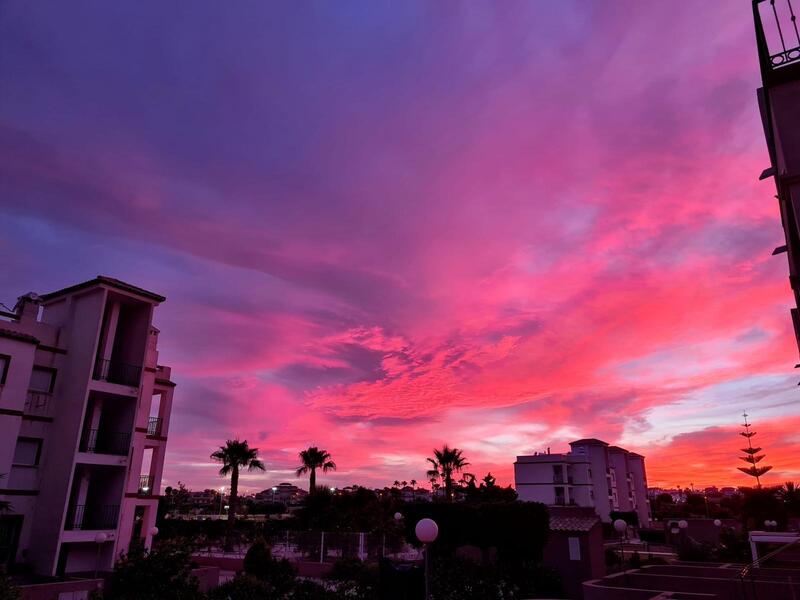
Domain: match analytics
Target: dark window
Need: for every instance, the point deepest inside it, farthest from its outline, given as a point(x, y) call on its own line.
point(28, 451)
point(5, 360)
point(43, 379)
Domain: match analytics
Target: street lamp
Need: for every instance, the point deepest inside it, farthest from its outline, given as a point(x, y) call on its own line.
point(221, 496)
point(717, 522)
point(427, 531)
point(621, 527)
point(274, 489)
point(153, 531)
point(398, 516)
point(99, 539)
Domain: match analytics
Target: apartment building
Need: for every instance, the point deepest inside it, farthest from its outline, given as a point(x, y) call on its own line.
point(84, 417)
point(592, 474)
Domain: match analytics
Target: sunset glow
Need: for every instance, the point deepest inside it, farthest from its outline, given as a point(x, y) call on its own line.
point(500, 226)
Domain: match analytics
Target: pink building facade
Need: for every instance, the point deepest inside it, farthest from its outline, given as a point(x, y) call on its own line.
point(84, 418)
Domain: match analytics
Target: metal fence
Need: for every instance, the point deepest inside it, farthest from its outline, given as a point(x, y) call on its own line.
point(319, 546)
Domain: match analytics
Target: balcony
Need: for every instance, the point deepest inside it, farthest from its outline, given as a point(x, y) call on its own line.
point(38, 403)
point(558, 479)
point(154, 426)
point(89, 517)
point(105, 442)
point(117, 372)
point(145, 485)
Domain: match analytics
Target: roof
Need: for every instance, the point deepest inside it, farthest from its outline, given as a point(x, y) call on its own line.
point(589, 441)
point(559, 523)
point(103, 280)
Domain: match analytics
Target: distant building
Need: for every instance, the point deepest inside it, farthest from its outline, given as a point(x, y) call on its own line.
point(285, 493)
point(84, 417)
point(592, 474)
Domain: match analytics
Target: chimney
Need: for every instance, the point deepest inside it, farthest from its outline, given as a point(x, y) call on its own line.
point(27, 307)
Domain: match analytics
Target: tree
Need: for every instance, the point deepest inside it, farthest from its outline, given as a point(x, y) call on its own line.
point(752, 456)
point(8, 591)
point(313, 458)
point(489, 480)
point(413, 483)
point(789, 493)
point(446, 462)
point(235, 456)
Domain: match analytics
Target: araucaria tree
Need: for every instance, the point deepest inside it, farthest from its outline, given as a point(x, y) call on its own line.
point(235, 456)
point(752, 456)
point(312, 459)
point(445, 463)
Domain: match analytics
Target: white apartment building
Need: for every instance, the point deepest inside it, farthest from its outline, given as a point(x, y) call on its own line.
point(84, 417)
point(592, 473)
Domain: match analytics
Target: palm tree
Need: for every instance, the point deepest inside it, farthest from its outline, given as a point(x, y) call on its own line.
point(235, 456)
point(413, 483)
point(313, 458)
point(446, 463)
point(790, 494)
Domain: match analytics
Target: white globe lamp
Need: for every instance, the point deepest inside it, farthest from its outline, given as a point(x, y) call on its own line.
point(427, 530)
point(620, 526)
point(100, 538)
point(398, 516)
point(717, 522)
point(154, 531)
point(683, 524)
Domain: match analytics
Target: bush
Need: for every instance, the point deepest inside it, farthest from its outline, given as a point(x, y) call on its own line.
point(163, 573)
point(242, 587)
point(652, 536)
point(8, 591)
point(278, 574)
point(354, 579)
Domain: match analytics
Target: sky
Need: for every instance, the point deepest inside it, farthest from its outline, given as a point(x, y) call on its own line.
point(385, 226)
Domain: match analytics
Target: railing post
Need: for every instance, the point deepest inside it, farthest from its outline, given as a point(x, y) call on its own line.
point(322, 547)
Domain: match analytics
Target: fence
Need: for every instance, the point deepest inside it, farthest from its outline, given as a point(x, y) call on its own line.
point(320, 546)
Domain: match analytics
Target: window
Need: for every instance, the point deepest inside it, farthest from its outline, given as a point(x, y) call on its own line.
point(28, 451)
point(574, 548)
point(42, 379)
point(4, 362)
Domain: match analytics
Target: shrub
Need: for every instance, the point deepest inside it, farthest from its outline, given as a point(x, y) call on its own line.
point(242, 587)
point(163, 573)
point(8, 591)
point(278, 574)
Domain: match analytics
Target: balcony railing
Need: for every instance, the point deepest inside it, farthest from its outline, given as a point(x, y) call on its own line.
point(93, 517)
point(38, 403)
point(117, 372)
point(558, 479)
point(154, 426)
point(145, 485)
point(106, 442)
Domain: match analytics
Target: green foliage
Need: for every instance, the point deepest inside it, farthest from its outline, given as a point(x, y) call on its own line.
point(517, 529)
point(355, 579)
point(312, 459)
point(457, 579)
point(8, 591)
point(760, 504)
point(161, 574)
point(690, 549)
point(278, 574)
point(242, 587)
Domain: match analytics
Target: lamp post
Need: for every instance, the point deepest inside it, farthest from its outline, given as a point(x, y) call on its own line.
point(99, 539)
point(221, 498)
point(274, 489)
point(621, 527)
point(427, 531)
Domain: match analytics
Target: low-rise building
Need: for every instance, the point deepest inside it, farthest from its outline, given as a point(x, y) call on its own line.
point(84, 418)
point(592, 474)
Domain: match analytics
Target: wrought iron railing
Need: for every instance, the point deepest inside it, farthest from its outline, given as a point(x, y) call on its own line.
point(145, 485)
point(93, 517)
point(154, 426)
point(117, 372)
point(777, 34)
point(106, 442)
point(37, 403)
